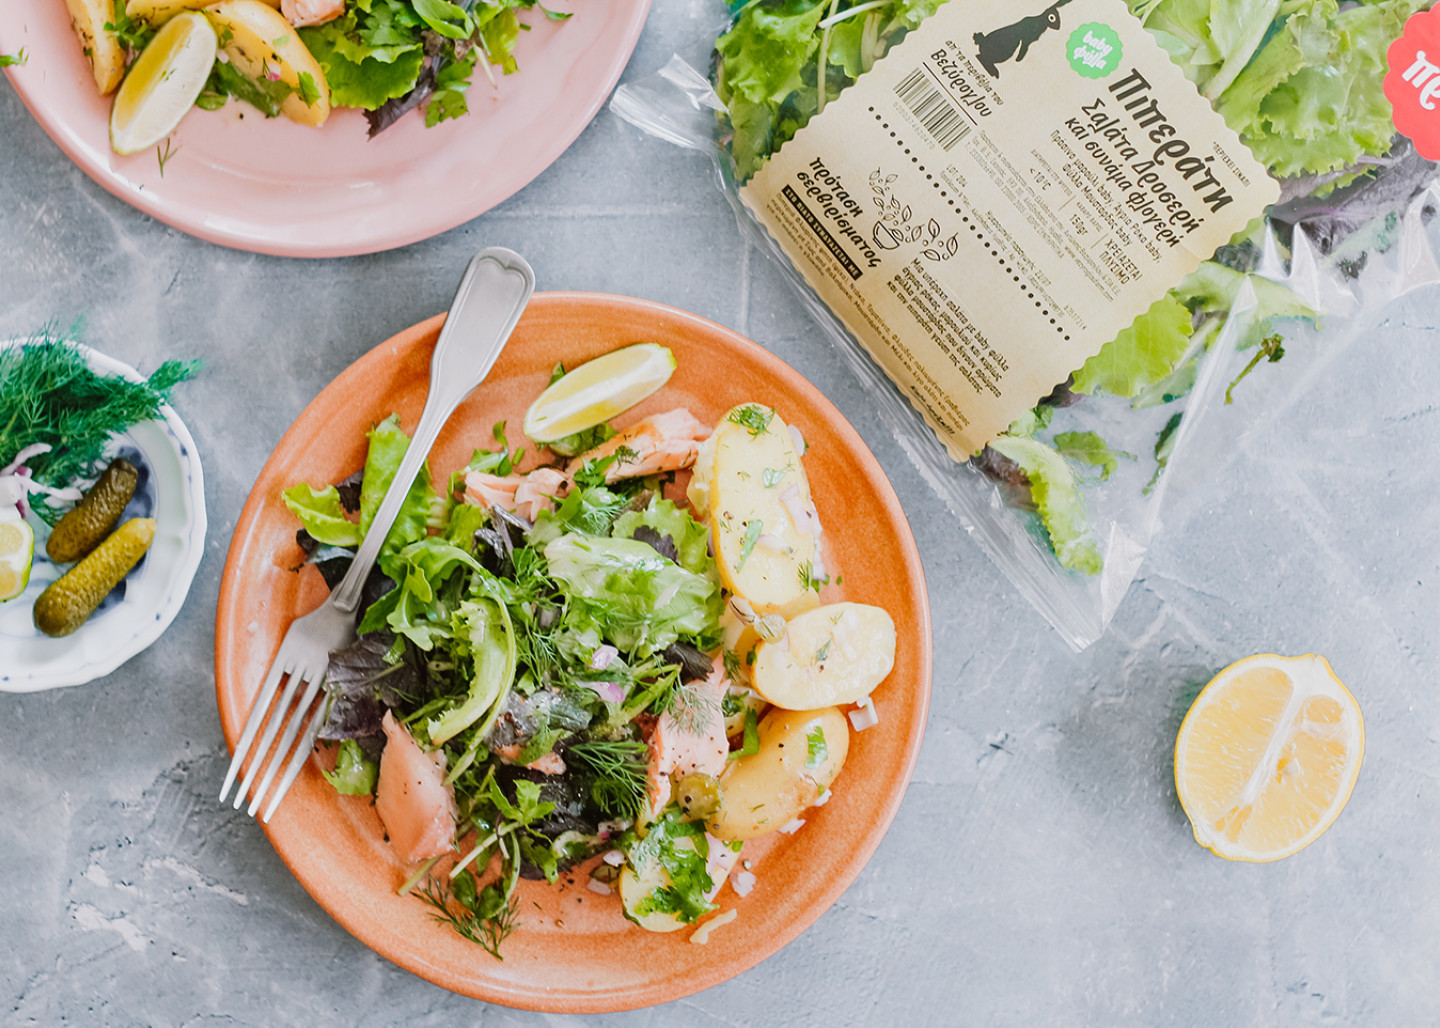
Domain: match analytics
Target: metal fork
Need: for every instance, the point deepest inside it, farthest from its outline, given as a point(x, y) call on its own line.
point(492, 295)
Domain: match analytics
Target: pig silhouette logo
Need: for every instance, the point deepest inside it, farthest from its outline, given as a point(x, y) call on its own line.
point(1014, 41)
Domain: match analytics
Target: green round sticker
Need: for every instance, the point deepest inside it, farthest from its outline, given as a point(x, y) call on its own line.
point(1094, 50)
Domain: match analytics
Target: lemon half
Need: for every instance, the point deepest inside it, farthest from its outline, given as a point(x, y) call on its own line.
point(17, 554)
point(163, 83)
point(1267, 756)
point(598, 390)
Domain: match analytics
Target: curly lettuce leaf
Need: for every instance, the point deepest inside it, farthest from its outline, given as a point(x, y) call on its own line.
point(1142, 354)
point(1313, 100)
point(388, 444)
point(360, 73)
point(690, 538)
point(1057, 500)
point(767, 63)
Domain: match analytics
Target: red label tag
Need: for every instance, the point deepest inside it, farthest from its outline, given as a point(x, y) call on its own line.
point(1412, 84)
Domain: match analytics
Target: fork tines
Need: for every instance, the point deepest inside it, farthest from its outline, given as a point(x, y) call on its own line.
point(271, 716)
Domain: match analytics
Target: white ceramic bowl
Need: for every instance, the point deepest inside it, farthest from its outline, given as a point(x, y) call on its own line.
point(172, 491)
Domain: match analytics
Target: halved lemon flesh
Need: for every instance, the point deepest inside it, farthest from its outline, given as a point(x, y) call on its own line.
point(17, 554)
point(163, 83)
point(598, 390)
point(1267, 756)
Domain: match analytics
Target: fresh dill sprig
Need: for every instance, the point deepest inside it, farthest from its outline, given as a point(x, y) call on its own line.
point(619, 766)
point(693, 707)
point(753, 417)
point(49, 394)
point(486, 917)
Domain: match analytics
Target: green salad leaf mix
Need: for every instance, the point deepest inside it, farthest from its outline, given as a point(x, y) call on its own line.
point(388, 56)
point(501, 642)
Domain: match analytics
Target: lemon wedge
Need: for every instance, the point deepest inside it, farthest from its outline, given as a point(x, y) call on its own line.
point(1267, 756)
point(598, 390)
point(17, 553)
point(163, 83)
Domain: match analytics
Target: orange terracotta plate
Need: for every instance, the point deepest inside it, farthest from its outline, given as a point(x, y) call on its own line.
point(574, 952)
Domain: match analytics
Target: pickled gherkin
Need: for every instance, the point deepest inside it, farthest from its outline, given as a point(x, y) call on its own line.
point(87, 524)
point(70, 600)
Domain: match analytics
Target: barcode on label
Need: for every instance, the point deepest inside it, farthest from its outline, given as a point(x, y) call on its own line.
point(938, 116)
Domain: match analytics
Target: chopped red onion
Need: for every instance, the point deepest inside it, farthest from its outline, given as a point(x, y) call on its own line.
point(598, 887)
point(24, 455)
point(792, 827)
point(603, 657)
point(801, 514)
point(613, 857)
point(610, 692)
point(744, 881)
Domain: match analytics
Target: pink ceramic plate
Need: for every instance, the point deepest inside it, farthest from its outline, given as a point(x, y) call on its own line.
point(574, 951)
point(241, 180)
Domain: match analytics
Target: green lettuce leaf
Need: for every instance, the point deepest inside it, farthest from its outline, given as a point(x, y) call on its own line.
point(360, 74)
point(388, 444)
point(1089, 448)
point(631, 595)
point(691, 539)
point(1057, 500)
point(422, 604)
point(1140, 355)
point(485, 638)
point(1313, 98)
point(355, 774)
point(322, 515)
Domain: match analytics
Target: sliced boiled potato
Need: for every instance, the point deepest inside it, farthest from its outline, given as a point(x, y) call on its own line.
point(636, 885)
point(101, 48)
point(765, 529)
point(800, 753)
point(833, 654)
point(157, 12)
point(261, 44)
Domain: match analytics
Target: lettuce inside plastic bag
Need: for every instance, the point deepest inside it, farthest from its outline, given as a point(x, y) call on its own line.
point(1301, 80)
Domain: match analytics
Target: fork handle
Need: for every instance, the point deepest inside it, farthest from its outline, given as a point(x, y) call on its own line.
point(491, 297)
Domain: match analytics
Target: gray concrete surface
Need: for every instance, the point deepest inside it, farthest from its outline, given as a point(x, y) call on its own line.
point(1040, 871)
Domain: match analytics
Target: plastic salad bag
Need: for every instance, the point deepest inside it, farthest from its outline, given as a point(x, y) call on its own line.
point(1067, 500)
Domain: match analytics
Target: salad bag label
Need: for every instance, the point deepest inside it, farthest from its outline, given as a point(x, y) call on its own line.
point(1412, 83)
point(1002, 194)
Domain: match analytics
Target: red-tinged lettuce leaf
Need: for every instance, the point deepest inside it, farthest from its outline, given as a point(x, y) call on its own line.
point(362, 683)
point(1141, 355)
